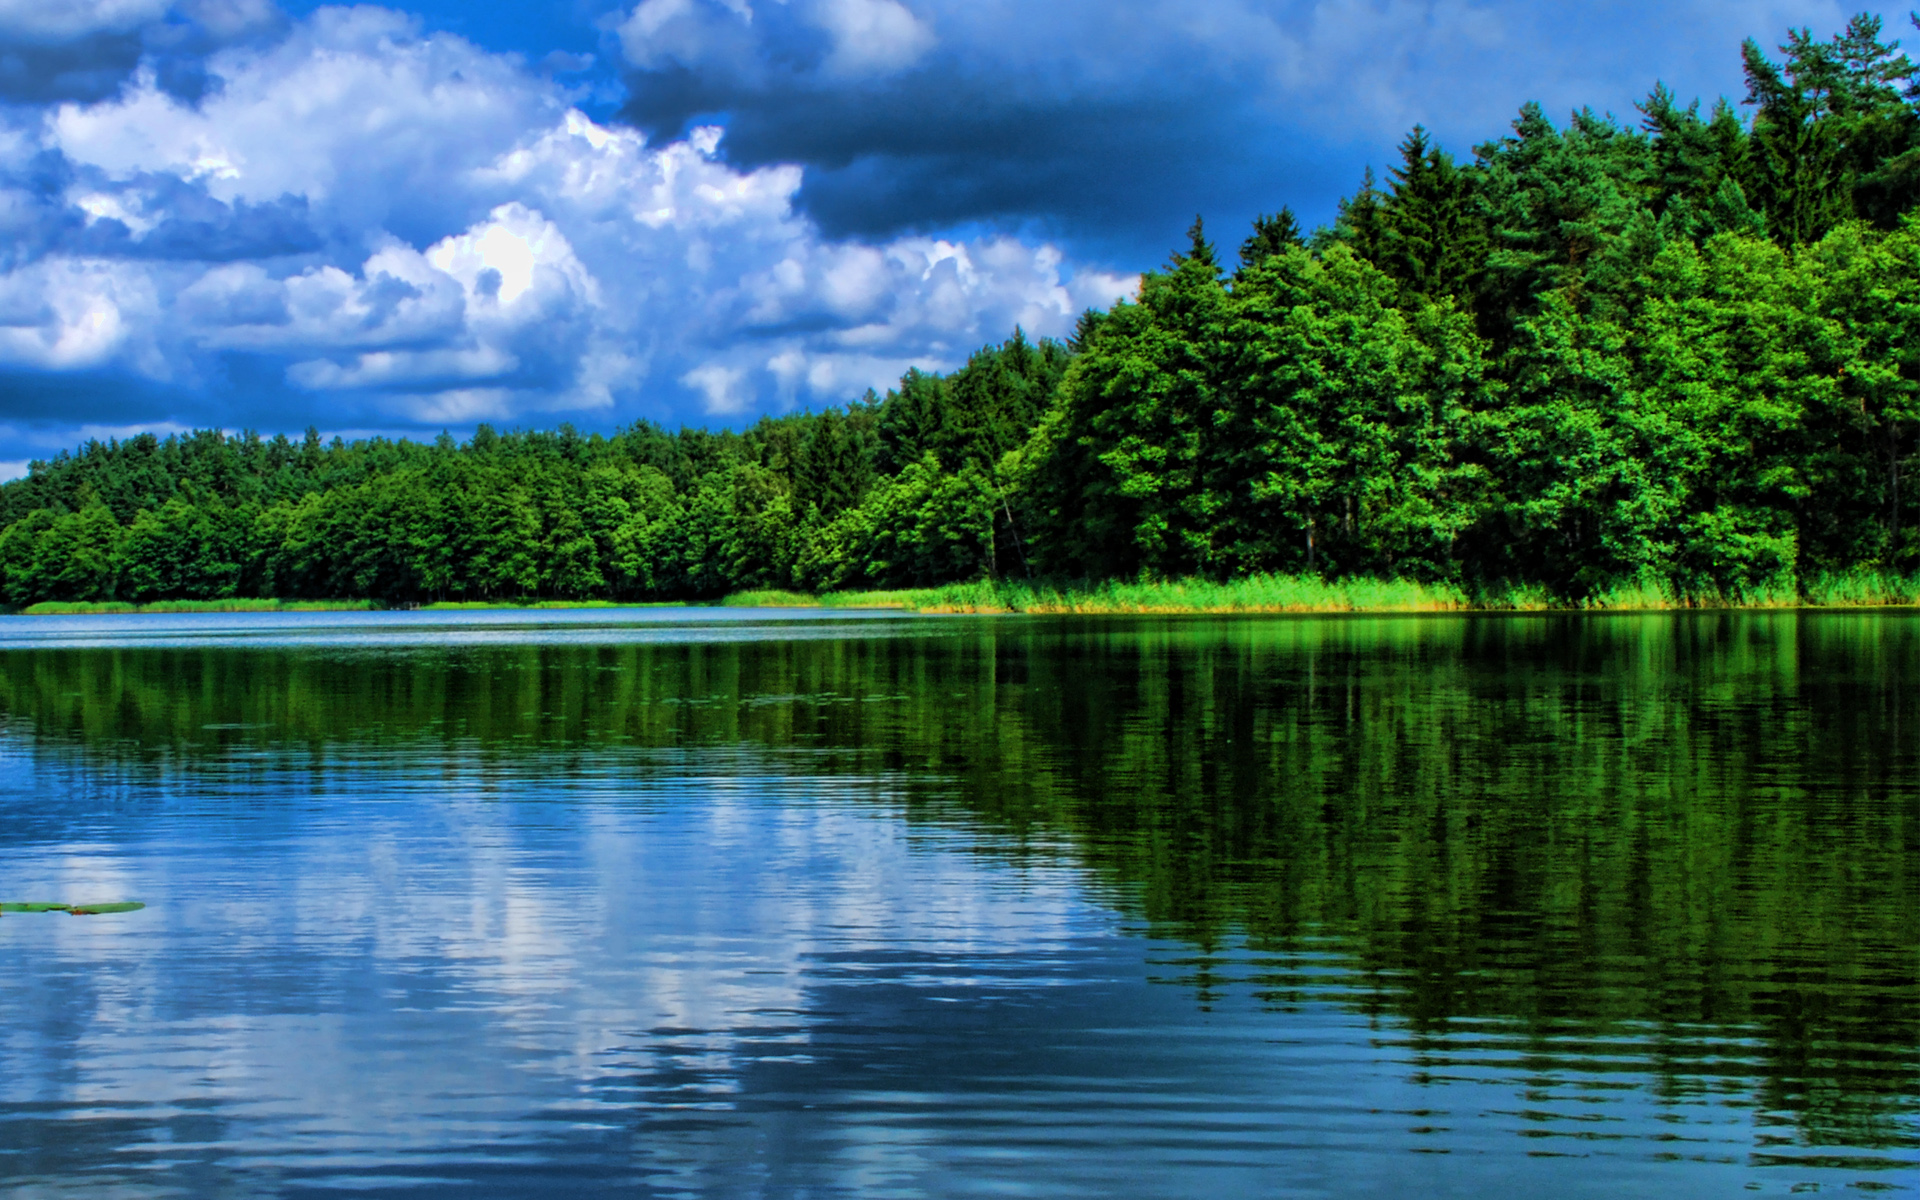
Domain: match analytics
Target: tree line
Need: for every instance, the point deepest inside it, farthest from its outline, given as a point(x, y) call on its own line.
point(1680, 351)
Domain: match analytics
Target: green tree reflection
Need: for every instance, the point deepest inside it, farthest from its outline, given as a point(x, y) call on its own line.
point(1688, 831)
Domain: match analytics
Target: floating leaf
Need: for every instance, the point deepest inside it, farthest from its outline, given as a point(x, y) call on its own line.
point(78, 910)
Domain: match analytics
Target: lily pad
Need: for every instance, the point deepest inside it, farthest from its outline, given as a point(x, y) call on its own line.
point(78, 910)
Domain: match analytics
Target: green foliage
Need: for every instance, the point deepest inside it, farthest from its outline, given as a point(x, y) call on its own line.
point(1431, 239)
point(1299, 421)
point(1271, 235)
point(968, 419)
point(57, 608)
point(1834, 136)
point(74, 910)
point(1668, 363)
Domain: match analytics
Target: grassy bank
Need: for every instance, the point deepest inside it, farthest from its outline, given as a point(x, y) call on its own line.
point(75, 608)
point(1311, 594)
point(1253, 594)
point(1259, 593)
point(481, 605)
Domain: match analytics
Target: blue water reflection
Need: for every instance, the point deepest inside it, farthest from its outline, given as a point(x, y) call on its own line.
point(430, 964)
point(611, 625)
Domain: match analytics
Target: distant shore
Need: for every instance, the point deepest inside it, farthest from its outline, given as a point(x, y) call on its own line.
point(93, 608)
point(1254, 594)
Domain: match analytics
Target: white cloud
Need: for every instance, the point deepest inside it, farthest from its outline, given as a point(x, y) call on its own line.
point(355, 108)
point(872, 36)
point(865, 37)
point(724, 388)
point(101, 206)
point(685, 31)
point(517, 255)
point(475, 248)
point(229, 18)
point(70, 314)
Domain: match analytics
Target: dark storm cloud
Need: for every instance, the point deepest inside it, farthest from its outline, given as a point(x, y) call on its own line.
point(1111, 123)
point(1121, 164)
point(88, 68)
point(35, 399)
point(941, 147)
point(83, 57)
point(186, 223)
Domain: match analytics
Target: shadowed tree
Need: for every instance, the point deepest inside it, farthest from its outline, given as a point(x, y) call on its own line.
point(1431, 238)
point(1271, 235)
point(1834, 137)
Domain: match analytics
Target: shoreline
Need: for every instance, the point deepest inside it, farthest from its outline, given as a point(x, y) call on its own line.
point(1253, 595)
point(1283, 594)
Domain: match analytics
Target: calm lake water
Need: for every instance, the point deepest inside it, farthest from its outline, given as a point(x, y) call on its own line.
point(711, 903)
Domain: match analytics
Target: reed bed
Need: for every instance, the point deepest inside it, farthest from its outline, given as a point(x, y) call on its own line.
point(1858, 588)
point(1253, 594)
point(485, 605)
point(1312, 594)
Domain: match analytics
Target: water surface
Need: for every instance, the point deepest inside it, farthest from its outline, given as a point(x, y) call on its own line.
point(703, 903)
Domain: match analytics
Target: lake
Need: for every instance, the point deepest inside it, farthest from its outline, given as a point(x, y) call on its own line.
point(706, 902)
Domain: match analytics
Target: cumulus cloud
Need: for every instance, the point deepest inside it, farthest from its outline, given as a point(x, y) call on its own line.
point(361, 222)
point(839, 39)
point(210, 212)
point(63, 314)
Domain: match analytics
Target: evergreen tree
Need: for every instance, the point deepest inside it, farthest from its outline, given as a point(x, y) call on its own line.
point(1431, 238)
point(1199, 251)
point(1833, 134)
point(1565, 213)
point(1271, 235)
point(1700, 169)
point(1359, 225)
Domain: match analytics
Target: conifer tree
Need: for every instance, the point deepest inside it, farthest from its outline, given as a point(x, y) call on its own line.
point(1271, 235)
point(1359, 222)
point(1430, 237)
point(1832, 131)
point(1199, 250)
point(1084, 329)
point(1701, 169)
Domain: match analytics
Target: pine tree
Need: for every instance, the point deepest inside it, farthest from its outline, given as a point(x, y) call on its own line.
point(1833, 135)
point(1359, 223)
point(1199, 250)
point(1430, 238)
point(1701, 169)
point(1271, 235)
point(1085, 328)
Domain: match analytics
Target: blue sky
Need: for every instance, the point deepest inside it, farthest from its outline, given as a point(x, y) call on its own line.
point(249, 214)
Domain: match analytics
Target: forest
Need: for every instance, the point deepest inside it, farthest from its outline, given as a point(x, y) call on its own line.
point(1679, 353)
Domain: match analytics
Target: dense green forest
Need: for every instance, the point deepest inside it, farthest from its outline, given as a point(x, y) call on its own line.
point(1679, 353)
